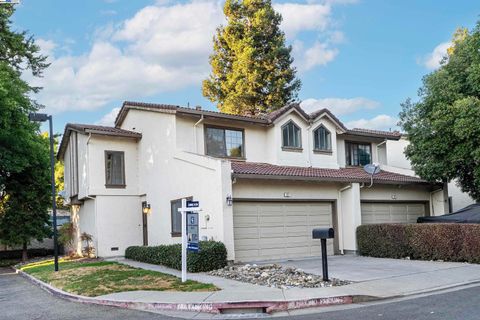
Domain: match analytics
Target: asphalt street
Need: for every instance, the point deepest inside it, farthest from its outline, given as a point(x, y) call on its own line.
point(19, 299)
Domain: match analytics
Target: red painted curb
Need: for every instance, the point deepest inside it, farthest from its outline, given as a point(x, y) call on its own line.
point(207, 307)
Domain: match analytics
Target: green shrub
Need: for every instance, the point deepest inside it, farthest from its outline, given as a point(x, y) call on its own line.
point(425, 241)
point(383, 241)
point(212, 256)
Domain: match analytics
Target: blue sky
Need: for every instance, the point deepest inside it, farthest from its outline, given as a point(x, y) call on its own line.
point(359, 58)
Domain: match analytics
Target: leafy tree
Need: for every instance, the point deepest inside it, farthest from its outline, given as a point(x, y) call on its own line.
point(443, 126)
point(24, 157)
point(251, 65)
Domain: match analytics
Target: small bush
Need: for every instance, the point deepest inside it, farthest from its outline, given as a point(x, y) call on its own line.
point(212, 256)
point(425, 241)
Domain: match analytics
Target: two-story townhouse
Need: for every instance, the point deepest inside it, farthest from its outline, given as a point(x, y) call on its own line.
point(263, 182)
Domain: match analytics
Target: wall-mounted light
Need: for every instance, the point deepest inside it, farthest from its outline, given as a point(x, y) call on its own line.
point(229, 200)
point(146, 209)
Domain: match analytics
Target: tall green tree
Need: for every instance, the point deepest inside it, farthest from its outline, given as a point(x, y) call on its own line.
point(24, 161)
point(252, 68)
point(443, 126)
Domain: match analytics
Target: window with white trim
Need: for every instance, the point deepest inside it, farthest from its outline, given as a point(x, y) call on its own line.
point(322, 139)
point(291, 136)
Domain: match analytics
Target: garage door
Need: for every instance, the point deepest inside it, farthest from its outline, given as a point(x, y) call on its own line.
point(279, 230)
point(373, 212)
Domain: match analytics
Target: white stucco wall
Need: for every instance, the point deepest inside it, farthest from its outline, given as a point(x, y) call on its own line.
point(168, 173)
point(96, 165)
point(459, 199)
point(350, 215)
point(87, 221)
point(119, 224)
point(83, 166)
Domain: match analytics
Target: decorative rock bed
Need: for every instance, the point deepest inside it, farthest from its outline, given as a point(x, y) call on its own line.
point(274, 275)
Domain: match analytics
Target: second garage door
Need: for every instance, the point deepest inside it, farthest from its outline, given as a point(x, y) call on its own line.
point(279, 230)
point(384, 212)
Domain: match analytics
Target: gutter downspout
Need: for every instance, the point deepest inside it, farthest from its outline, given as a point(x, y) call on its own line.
point(340, 216)
point(195, 133)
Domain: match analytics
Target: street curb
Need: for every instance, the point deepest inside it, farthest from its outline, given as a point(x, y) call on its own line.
point(206, 307)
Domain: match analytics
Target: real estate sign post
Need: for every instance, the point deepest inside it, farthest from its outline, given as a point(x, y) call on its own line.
point(191, 209)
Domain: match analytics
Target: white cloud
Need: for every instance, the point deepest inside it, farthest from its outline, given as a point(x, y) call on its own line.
point(109, 118)
point(303, 17)
point(164, 47)
point(46, 46)
point(340, 106)
point(380, 122)
point(433, 59)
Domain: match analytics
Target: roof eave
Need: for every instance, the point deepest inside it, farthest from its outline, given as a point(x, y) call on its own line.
point(323, 179)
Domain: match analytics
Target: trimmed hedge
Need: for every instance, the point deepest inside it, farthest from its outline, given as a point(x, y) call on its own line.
point(212, 256)
point(424, 241)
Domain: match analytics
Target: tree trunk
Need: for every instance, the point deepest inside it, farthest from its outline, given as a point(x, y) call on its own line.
point(24, 252)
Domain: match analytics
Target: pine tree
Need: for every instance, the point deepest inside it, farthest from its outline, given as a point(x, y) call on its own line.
point(252, 68)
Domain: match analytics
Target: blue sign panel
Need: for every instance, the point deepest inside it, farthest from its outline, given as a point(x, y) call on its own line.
point(192, 231)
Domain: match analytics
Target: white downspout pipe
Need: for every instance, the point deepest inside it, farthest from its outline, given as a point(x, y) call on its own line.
point(340, 216)
point(195, 133)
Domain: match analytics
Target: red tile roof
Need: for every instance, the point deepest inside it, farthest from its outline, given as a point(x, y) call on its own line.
point(265, 170)
point(370, 133)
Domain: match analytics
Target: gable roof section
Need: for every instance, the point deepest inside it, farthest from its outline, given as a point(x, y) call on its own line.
point(256, 170)
point(93, 129)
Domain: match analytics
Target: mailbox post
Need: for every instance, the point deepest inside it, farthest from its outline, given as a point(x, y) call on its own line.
point(323, 234)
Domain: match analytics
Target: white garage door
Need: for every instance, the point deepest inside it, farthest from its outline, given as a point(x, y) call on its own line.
point(392, 212)
point(279, 230)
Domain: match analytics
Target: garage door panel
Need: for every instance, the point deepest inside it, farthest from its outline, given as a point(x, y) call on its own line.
point(392, 212)
point(282, 229)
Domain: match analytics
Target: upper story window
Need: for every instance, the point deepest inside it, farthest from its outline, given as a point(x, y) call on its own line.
point(291, 136)
point(114, 169)
point(358, 154)
point(322, 139)
point(224, 142)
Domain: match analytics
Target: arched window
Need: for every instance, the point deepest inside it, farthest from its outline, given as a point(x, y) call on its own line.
point(322, 139)
point(291, 136)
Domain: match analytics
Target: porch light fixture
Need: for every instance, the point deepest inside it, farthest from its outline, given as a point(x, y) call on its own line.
point(229, 200)
point(146, 208)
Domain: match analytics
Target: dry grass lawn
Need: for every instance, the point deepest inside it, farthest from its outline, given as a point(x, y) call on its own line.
point(95, 278)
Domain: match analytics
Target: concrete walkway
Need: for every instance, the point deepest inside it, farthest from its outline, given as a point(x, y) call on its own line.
point(378, 278)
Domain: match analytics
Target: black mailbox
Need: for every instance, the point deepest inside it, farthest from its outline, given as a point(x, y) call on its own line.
point(323, 233)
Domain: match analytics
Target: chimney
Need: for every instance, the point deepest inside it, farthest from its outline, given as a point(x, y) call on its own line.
point(198, 108)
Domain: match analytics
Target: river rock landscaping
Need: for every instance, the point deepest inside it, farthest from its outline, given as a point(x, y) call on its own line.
point(274, 275)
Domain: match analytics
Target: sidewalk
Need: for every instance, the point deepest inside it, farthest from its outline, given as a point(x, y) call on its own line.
point(390, 279)
point(451, 275)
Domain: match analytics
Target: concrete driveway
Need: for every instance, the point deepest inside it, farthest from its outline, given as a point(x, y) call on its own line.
point(357, 268)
